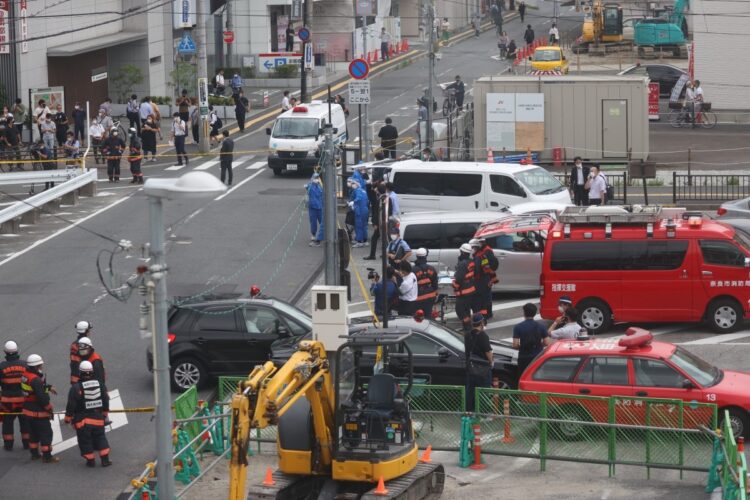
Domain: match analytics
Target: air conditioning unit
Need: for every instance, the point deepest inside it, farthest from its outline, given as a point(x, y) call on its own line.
point(330, 315)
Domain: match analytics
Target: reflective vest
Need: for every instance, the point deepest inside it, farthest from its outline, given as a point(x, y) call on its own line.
point(487, 262)
point(463, 279)
point(11, 372)
point(95, 359)
point(36, 400)
point(88, 404)
point(426, 281)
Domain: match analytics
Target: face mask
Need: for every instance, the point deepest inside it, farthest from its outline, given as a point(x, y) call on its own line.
point(560, 309)
point(114, 134)
point(394, 237)
point(78, 107)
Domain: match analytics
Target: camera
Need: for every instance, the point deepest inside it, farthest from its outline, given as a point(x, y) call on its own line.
point(372, 274)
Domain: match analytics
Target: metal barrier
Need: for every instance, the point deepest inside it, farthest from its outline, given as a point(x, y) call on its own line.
point(709, 187)
point(728, 465)
point(618, 181)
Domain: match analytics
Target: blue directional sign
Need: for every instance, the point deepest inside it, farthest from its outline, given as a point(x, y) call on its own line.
point(358, 69)
point(187, 45)
point(304, 34)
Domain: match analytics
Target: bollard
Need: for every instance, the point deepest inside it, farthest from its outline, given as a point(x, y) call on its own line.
point(477, 465)
point(496, 396)
point(464, 451)
point(507, 438)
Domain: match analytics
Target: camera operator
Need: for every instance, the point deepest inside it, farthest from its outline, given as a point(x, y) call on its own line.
point(376, 289)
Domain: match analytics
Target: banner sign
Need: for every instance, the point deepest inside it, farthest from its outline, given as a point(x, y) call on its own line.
point(4, 26)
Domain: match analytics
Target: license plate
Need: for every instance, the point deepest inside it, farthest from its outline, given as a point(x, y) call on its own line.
point(291, 168)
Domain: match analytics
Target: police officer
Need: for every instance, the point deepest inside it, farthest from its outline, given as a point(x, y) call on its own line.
point(485, 265)
point(426, 281)
point(86, 353)
point(83, 329)
point(463, 284)
point(11, 401)
point(37, 408)
point(87, 409)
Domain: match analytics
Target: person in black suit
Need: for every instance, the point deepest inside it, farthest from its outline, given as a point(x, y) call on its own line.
point(578, 176)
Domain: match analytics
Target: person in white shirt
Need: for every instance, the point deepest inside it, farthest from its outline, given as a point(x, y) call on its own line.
point(385, 41)
point(697, 99)
point(40, 112)
point(597, 187)
point(220, 84)
point(554, 35)
point(178, 134)
point(145, 110)
point(566, 326)
point(96, 135)
point(407, 290)
point(285, 105)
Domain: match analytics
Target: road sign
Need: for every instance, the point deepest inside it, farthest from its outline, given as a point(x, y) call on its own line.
point(309, 62)
point(267, 62)
point(187, 45)
point(304, 34)
point(359, 92)
point(296, 10)
point(228, 36)
point(359, 69)
point(203, 96)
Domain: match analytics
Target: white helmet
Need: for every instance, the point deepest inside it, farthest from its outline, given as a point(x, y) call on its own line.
point(421, 252)
point(86, 366)
point(476, 242)
point(85, 341)
point(466, 248)
point(82, 327)
point(34, 360)
point(11, 347)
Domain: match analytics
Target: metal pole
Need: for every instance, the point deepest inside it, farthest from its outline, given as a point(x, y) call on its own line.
point(432, 74)
point(303, 75)
point(384, 236)
point(229, 28)
point(329, 207)
point(163, 399)
point(202, 70)
point(366, 153)
point(359, 121)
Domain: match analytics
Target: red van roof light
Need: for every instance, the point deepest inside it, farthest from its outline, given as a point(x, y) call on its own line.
point(636, 338)
point(299, 109)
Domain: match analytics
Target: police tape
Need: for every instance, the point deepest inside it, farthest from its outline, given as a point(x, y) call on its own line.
point(144, 409)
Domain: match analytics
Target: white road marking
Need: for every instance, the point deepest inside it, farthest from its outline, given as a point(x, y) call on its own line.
point(255, 166)
point(221, 197)
point(718, 339)
point(240, 161)
point(207, 165)
point(176, 167)
point(117, 420)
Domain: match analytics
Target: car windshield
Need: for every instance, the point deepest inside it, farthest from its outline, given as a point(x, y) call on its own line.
point(539, 181)
point(447, 337)
point(742, 238)
point(704, 373)
point(295, 128)
point(547, 55)
point(293, 312)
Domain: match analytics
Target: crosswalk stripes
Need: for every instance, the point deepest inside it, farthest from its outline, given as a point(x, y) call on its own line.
point(207, 165)
point(240, 161)
point(176, 167)
point(256, 166)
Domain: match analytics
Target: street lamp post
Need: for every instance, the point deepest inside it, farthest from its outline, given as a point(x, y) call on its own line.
point(190, 185)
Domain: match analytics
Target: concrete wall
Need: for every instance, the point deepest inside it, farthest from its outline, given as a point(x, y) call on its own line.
point(721, 52)
point(572, 111)
point(135, 53)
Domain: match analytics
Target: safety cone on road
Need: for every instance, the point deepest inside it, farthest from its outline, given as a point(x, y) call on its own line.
point(380, 490)
point(507, 438)
point(391, 50)
point(406, 45)
point(477, 465)
point(268, 481)
point(426, 455)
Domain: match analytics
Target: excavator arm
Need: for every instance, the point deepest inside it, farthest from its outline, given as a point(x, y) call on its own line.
point(268, 393)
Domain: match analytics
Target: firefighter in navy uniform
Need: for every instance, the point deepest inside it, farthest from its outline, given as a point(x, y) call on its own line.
point(37, 409)
point(12, 397)
point(485, 265)
point(427, 282)
point(86, 353)
point(83, 329)
point(463, 284)
point(87, 409)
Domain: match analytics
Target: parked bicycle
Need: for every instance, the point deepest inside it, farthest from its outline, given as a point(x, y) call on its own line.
point(679, 116)
point(449, 103)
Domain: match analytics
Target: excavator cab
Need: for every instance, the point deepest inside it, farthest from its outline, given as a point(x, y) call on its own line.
point(612, 23)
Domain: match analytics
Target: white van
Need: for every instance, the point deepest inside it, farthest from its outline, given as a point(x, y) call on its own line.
point(297, 136)
point(462, 186)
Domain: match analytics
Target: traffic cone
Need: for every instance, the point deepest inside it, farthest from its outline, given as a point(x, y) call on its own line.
point(268, 481)
point(406, 45)
point(380, 490)
point(391, 50)
point(369, 58)
point(426, 455)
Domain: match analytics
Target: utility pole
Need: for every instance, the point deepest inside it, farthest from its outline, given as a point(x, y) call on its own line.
point(202, 72)
point(384, 237)
point(303, 74)
point(431, 72)
point(329, 204)
point(366, 152)
point(229, 27)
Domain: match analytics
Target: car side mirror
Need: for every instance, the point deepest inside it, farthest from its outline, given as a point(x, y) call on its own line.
point(687, 384)
point(268, 130)
point(444, 353)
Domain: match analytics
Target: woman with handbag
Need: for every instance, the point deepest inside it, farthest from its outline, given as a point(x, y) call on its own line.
point(478, 372)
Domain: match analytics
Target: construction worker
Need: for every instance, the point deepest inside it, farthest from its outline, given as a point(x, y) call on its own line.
point(86, 353)
point(83, 329)
point(463, 284)
point(485, 265)
point(426, 281)
point(87, 409)
point(37, 409)
point(11, 400)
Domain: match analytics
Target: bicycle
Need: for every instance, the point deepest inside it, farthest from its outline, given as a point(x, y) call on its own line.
point(449, 103)
point(680, 116)
point(121, 130)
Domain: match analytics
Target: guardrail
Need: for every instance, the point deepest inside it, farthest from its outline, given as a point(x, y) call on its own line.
point(27, 210)
point(709, 187)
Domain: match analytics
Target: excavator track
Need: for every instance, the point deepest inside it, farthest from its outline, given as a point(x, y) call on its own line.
point(424, 482)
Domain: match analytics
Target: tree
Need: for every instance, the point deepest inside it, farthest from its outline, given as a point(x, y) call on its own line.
point(184, 76)
point(127, 77)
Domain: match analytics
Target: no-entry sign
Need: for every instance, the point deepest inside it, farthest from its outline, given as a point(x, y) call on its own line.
point(228, 36)
point(359, 69)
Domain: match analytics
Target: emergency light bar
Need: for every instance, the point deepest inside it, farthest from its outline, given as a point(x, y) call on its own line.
point(635, 338)
point(299, 109)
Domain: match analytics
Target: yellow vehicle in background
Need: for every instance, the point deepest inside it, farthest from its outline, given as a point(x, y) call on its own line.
point(549, 58)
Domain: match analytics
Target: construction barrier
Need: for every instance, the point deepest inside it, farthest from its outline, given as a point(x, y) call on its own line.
point(186, 406)
point(728, 469)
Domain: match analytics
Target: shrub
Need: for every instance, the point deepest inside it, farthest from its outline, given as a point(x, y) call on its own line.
point(215, 100)
point(285, 71)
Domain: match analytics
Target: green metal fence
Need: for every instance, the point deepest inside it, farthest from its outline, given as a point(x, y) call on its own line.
point(436, 414)
point(185, 406)
point(728, 465)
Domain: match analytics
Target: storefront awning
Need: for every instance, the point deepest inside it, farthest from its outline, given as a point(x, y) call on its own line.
point(99, 42)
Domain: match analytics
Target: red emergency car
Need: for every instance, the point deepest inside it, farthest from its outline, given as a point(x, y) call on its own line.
point(646, 264)
point(638, 367)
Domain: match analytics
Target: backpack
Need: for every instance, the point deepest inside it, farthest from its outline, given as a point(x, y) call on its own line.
point(218, 123)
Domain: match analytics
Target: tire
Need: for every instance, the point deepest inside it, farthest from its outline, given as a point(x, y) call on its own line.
point(675, 118)
point(738, 419)
point(708, 119)
point(595, 315)
point(570, 431)
point(276, 171)
point(187, 372)
point(724, 315)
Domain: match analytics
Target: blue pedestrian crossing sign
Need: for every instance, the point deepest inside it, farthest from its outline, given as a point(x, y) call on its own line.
point(187, 45)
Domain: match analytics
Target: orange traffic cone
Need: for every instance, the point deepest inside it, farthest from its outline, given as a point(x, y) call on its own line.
point(426, 455)
point(268, 481)
point(406, 45)
point(380, 490)
point(391, 50)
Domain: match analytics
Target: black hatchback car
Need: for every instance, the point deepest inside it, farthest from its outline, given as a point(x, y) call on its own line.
point(226, 335)
point(437, 354)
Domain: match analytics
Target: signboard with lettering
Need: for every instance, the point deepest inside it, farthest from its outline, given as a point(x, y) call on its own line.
point(515, 121)
point(185, 15)
point(4, 26)
point(267, 62)
point(653, 101)
point(359, 92)
point(203, 96)
point(24, 26)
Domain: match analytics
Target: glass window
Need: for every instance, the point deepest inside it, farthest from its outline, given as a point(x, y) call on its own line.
point(539, 181)
point(585, 256)
point(298, 315)
point(638, 70)
point(461, 184)
point(504, 184)
point(261, 320)
point(559, 369)
point(722, 253)
point(293, 128)
point(547, 55)
point(742, 239)
point(419, 183)
point(217, 318)
point(652, 255)
point(655, 373)
point(423, 235)
point(420, 345)
point(604, 370)
point(447, 337)
point(456, 234)
point(704, 373)
point(295, 328)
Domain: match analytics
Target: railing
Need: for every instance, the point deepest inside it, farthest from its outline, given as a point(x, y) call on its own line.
point(728, 464)
point(709, 187)
point(618, 181)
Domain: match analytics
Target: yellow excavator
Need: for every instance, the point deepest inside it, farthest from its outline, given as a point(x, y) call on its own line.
point(343, 425)
point(602, 26)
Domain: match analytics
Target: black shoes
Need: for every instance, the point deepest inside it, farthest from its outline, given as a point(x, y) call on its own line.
point(106, 462)
point(90, 463)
